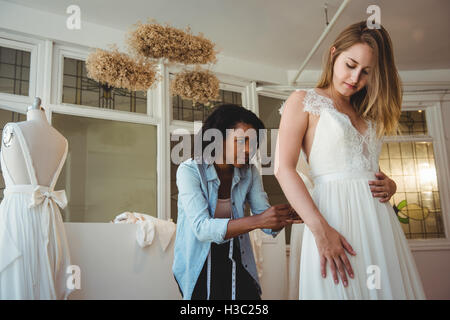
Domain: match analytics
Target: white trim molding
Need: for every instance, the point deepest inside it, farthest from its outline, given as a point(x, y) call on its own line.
point(163, 144)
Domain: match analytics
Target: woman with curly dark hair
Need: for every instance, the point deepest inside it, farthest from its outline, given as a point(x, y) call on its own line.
point(213, 255)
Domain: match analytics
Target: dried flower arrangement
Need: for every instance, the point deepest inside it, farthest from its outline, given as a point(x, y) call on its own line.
point(155, 41)
point(120, 70)
point(197, 85)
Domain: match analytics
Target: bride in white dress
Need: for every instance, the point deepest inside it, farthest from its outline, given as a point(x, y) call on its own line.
point(353, 246)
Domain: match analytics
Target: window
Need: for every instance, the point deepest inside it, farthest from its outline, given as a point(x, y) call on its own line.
point(409, 160)
point(184, 110)
point(14, 71)
point(80, 90)
point(173, 176)
point(110, 168)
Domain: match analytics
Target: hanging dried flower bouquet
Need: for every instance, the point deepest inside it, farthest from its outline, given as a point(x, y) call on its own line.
point(198, 85)
point(120, 70)
point(150, 42)
point(156, 41)
point(178, 46)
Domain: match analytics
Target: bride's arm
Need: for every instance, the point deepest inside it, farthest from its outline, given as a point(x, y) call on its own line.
point(289, 142)
point(293, 125)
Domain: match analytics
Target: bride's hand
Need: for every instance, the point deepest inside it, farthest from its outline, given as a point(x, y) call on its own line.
point(384, 187)
point(332, 245)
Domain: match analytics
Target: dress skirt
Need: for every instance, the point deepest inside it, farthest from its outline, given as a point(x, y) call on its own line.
point(384, 267)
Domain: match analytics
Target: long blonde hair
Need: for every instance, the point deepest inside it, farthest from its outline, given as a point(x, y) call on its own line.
point(381, 99)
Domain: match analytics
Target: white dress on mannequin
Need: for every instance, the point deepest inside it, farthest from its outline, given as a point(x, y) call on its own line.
point(34, 253)
point(341, 162)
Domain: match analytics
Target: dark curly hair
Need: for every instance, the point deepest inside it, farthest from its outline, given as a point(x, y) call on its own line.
point(227, 116)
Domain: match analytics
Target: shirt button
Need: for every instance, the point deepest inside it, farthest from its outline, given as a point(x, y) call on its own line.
point(242, 251)
point(245, 266)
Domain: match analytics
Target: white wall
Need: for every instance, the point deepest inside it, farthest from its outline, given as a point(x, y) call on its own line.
point(434, 267)
point(114, 266)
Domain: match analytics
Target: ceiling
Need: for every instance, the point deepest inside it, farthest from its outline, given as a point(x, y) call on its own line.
point(280, 33)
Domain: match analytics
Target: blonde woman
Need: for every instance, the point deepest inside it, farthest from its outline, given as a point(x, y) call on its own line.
point(353, 246)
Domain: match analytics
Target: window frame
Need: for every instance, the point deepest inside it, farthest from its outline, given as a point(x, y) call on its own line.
point(433, 115)
point(36, 49)
point(225, 83)
point(60, 52)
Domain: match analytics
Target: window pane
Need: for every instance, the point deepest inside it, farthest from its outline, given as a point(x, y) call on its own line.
point(110, 168)
point(185, 111)
point(173, 173)
point(413, 123)
point(79, 89)
point(14, 71)
point(413, 169)
point(6, 117)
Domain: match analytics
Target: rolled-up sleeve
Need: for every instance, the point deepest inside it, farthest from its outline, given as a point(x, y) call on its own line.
point(257, 197)
point(196, 208)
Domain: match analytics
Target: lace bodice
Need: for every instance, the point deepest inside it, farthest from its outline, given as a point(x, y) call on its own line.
point(338, 146)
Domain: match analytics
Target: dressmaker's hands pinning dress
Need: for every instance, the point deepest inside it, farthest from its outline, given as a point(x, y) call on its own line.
point(341, 162)
point(34, 253)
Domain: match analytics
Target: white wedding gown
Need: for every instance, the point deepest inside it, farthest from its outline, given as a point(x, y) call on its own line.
point(34, 253)
point(341, 162)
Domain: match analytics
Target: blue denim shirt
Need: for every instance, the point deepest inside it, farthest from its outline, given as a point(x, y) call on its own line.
point(196, 227)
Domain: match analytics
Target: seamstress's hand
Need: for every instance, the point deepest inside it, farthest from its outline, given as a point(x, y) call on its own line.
point(293, 218)
point(383, 187)
point(277, 217)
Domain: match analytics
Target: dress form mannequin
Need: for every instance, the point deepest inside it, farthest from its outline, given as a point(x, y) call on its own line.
point(46, 146)
point(34, 252)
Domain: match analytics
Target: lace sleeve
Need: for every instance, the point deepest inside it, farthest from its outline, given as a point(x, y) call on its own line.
point(312, 102)
point(283, 104)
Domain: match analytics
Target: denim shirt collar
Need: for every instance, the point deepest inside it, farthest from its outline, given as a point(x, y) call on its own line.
point(211, 174)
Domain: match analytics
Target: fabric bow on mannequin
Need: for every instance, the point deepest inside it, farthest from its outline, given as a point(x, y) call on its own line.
point(41, 194)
